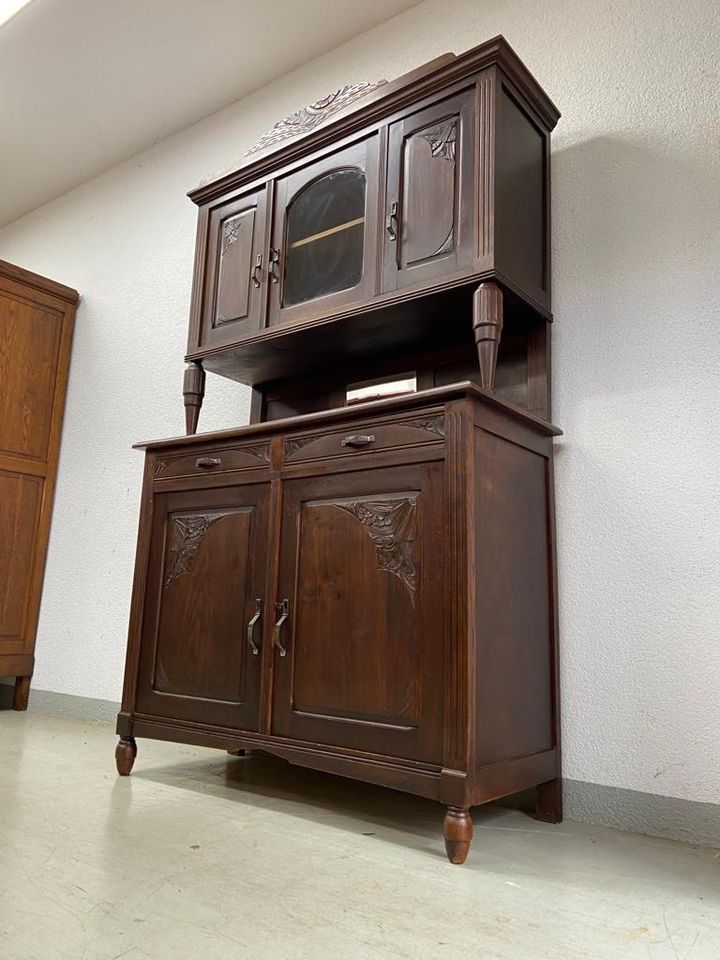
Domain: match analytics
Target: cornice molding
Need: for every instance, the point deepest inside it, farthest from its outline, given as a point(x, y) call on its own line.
point(385, 100)
point(30, 279)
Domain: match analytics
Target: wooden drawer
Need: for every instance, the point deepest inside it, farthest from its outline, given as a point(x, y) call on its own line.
point(366, 437)
point(205, 460)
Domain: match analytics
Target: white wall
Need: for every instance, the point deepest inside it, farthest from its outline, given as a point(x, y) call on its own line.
point(636, 181)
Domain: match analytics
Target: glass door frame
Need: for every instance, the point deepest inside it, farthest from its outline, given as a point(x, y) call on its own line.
point(365, 155)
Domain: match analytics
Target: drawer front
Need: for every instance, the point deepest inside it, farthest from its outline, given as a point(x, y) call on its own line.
point(366, 437)
point(203, 461)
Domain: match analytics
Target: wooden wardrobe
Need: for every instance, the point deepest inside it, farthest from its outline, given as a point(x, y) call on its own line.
point(36, 328)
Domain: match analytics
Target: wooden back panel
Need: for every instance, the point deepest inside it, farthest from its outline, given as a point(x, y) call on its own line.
point(522, 377)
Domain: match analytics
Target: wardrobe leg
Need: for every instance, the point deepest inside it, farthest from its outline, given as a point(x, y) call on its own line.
point(125, 754)
point(487, 326)
point(458, 831)
point(548, 803)
point(21, 694)
point(193, 393)
point(239, 752)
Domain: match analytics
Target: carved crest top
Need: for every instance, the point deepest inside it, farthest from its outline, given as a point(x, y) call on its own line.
point(307, 118)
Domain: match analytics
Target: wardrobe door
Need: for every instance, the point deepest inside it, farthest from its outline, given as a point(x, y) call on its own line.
point(201, 633)
point(358, 658)
point(430, 199)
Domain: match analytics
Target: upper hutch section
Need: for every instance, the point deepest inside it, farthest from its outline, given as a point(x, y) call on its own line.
point(371, 230)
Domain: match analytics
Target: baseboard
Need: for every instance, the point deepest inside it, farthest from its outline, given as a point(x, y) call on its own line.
point(646, 813)
point(63, 705)
point(632, 810)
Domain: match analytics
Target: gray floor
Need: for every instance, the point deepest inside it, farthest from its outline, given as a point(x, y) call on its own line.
point(200, 855)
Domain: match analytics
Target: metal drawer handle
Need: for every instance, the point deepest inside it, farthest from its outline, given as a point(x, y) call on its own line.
point(283, 607)
point(358, 440)
point(207, 463)
point(251, 628)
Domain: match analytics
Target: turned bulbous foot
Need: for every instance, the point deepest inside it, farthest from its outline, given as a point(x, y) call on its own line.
point(125, 754)
point(458, 831)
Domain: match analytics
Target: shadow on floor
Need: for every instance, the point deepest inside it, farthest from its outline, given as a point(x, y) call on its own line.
point(273, 783)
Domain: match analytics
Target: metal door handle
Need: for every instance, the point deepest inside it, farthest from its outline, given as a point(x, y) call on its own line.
point(275, 265)
point(251, 628)
point(207, 462)
point(391, 223)
point(358, 440)
point(283, 607)
point(256, 275)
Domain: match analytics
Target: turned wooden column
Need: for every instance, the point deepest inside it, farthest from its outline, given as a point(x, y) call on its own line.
point(193, 393)
point(487, 326)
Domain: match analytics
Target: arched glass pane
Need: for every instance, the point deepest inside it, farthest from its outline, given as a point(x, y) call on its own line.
point(325, 236)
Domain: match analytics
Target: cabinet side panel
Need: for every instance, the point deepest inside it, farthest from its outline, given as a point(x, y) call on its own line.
point(521, 215)
point(514, 652)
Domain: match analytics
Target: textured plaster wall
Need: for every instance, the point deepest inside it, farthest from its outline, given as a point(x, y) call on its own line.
point(636, 245)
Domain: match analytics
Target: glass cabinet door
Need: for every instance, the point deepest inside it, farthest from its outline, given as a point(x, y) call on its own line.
point(324, 235)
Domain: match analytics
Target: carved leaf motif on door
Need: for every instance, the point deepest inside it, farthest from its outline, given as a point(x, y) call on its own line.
point(442, 139)
point(231, 231)
point(392, 527)
point(186, 535)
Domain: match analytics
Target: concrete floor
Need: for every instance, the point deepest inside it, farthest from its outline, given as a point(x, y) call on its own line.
point(201, 856)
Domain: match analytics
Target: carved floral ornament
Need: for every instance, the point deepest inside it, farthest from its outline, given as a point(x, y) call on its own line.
point(307, 118)
point(392, 528)
point(442, 140)
point(186, 535)
point(230, 233)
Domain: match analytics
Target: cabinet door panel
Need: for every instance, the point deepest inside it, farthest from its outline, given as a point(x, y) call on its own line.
point(324, 234)
point(207, 569)
point(29, 354)
point(233, 303)
point(20, 500)
point(361, 565)
point(430, 193)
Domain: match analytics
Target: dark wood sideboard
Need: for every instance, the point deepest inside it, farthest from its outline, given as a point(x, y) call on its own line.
point(368, 588)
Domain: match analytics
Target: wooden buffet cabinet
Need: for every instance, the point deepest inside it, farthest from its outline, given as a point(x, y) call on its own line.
point(368, 588)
